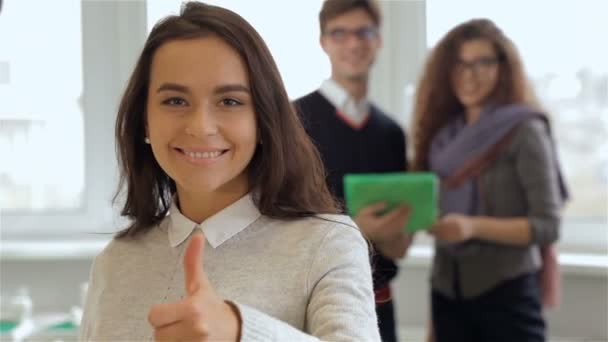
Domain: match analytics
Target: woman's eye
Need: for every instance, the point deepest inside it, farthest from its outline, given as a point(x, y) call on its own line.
point(230, 102)
point(175, 101)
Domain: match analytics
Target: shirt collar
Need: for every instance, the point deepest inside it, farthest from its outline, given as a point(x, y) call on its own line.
point(346, 104)
point(218, 228)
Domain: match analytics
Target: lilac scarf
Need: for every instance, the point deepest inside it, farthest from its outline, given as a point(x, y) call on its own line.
point(457, 143)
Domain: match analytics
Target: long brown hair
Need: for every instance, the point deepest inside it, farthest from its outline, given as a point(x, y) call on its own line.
point(286, 170)
point(436, 102)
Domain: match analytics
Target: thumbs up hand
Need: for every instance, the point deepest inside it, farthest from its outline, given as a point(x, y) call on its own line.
point(202, 315)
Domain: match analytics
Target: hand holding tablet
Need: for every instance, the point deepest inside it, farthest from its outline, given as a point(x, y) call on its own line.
point(417, 190)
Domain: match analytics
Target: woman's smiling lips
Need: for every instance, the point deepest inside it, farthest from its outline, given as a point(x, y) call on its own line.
point(201, 155)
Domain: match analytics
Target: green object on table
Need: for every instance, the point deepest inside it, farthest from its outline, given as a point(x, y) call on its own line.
point(6, 326)
point(63, 326)
point(419, 190)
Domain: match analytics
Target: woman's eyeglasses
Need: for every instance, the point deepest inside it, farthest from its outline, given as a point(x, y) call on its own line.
point(477, 66)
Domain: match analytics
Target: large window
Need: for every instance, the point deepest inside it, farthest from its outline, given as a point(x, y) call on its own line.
point(62, 68)
point(560, 44)
point(41, 122)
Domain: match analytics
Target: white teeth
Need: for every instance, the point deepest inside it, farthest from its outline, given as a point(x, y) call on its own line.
point(203, 155)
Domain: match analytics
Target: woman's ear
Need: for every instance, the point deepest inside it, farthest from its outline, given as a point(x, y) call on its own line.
point(147, 134)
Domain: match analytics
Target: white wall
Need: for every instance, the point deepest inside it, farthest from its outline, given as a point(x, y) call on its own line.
point(582, 315)
point(53, 284)
point(399, 60)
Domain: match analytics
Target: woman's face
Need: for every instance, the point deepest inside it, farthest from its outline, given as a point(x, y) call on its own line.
point(200, 115)
point(475, 73)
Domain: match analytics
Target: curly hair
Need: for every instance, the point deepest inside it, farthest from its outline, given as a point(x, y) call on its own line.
point(436, 102)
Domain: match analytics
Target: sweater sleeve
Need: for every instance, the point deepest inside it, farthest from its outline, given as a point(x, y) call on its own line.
point(538, 173)
point(258, 326)
point(341, 301)
point(85, 331)
point(342, 306)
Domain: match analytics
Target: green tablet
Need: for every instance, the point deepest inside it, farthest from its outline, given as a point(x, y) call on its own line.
point(416, 189)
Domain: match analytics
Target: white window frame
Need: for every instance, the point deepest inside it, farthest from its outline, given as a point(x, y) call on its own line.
point(113, 34)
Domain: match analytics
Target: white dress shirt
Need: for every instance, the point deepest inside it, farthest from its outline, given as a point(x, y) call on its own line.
point(352, 111)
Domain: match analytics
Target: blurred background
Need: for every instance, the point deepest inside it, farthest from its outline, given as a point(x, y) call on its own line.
point(64, 64)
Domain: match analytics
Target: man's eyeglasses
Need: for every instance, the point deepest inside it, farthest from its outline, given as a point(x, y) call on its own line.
point(367, 33)
point(477, 66)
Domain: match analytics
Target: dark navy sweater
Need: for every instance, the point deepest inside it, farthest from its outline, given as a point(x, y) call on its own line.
point(377, 146)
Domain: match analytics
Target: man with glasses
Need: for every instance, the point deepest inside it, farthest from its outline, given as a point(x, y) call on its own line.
point(355, 136)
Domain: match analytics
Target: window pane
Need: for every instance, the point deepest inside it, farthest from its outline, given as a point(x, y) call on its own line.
point(567, 64)
point(41, 123)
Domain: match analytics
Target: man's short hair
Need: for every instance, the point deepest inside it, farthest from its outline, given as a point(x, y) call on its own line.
point(335, 8)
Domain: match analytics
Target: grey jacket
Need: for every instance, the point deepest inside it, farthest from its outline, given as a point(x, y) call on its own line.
point(522, 182)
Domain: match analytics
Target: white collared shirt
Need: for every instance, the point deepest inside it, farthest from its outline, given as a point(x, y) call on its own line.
point(217, 228)
point(292, 280)
point(356, 112)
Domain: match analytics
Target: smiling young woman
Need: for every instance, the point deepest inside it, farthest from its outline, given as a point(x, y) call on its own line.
point(233, 234)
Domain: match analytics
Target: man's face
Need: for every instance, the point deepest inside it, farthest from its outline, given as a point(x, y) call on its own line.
point(351, 41)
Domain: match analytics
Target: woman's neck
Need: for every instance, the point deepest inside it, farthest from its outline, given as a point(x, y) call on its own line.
point(472, 114)
point(200, 206)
